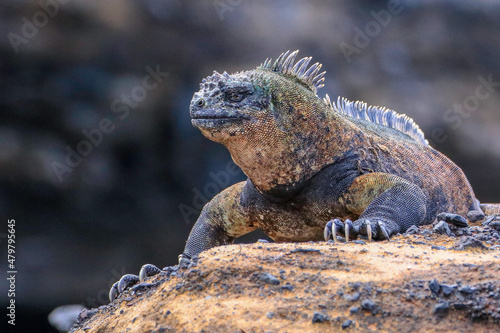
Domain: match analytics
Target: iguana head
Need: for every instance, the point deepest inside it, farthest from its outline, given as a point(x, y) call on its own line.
point(230, 105)
point(268, 118)
point(251, 102)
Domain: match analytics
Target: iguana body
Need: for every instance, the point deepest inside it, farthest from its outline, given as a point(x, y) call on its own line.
point(309, 161)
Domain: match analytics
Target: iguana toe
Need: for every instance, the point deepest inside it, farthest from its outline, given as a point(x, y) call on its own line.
point(377, 229)
point(113, 292)
point(346, 229)
point(374, 230)
point(327, 232)
point(350, 230)
point(148, 270)
point(125, 282)
point(369, 232)
point(383, 229)
point(331, 229)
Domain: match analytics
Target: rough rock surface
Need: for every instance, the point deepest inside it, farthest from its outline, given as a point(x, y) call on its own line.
point(420, 282)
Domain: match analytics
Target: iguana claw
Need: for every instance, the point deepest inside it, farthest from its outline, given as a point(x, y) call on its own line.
point(328, 231)
point(148, 270)
point(384, 230)
point(369, 231)
point(373, 229)
point(365, 227)
point(332, 228)
point(113, 292)
point(349, 230)
point(125, 282)
point(129, 280)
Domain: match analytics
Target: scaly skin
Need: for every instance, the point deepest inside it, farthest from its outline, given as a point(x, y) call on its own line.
point(308, 163)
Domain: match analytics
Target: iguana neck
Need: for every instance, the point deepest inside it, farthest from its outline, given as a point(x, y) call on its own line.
point(281, 166)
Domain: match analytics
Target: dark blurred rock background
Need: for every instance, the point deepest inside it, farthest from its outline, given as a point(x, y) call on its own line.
point(119, 207)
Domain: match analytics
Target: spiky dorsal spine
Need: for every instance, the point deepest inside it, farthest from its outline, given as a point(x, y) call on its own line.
point(285, 65)
point(357, 110)
point(378, 115)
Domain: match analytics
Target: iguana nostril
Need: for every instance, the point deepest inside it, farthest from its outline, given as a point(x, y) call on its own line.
point(200, 103)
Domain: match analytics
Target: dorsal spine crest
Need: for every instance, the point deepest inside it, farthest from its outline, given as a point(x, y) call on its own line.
point(307, 76)
point(378, 115)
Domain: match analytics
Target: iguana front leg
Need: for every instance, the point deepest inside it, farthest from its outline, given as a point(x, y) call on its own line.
point(221, 221)
point(386, 204)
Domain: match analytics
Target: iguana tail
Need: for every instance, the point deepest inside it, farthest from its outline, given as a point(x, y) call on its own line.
point(490, 209)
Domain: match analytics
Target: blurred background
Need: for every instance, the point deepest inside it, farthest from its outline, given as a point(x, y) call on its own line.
point(100, 166)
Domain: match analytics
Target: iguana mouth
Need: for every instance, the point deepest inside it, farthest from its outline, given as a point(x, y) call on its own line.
point(211, 119)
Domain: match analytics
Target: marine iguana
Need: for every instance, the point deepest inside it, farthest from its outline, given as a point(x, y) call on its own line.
point(312, 163)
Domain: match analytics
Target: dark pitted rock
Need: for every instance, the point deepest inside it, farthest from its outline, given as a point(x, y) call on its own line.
point(475, 216)
point(438, 247)
point(346, 324)
point(448, 289)
point(466, 289)
point(426, 232)
point(354, 309)
point(412, 230)
point(494, 225)
point(460, 232)
point(369, 305)
point(319, 318)
point(441, 308)
point(490, 219)
point(453, 219)
point(144, 286)
point(269, 278)
point(435, 287)
point(305, 250)
point(352, 297)
point(169, 270)
point(467, 242)
point(442, 228)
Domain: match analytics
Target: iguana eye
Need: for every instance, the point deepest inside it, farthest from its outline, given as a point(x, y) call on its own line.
point(200, 103)
point(235, 96)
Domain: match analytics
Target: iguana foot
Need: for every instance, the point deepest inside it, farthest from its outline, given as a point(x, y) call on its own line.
point(129, 280)
point(372, 229)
